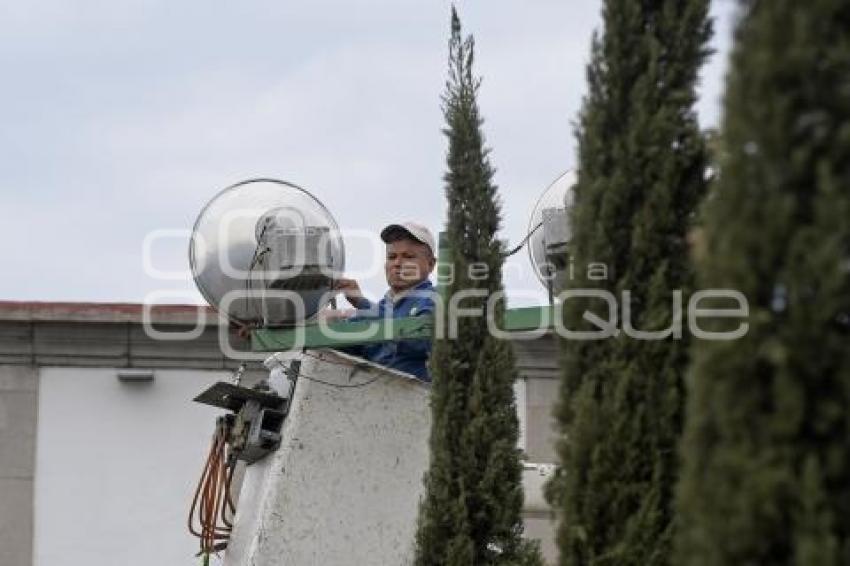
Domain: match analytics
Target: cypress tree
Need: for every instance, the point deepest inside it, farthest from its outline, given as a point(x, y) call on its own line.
point(641, 172)
point(470, 514)
point(766, 473)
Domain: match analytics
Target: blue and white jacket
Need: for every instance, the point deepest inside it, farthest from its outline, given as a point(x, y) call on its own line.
point(410, 356)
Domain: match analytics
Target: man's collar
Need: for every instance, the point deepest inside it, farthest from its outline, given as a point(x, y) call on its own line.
point(396, 297)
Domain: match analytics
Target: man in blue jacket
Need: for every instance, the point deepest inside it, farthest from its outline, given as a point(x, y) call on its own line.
point(410, 260)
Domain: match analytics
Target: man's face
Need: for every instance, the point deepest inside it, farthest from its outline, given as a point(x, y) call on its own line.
point(408, 263)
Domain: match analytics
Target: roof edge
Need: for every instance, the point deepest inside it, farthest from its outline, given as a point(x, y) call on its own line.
point(38, 311)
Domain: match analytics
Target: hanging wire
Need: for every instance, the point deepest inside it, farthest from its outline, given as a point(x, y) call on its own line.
point(524, 241)
point(212, 505)
point(250, 301)
point(339, 385)
point(353, 365)
point(250, 304)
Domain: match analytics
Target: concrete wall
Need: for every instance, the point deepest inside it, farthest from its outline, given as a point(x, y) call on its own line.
point(540, 395)
point(541, 527)
point(18, 411)
point(537, 365)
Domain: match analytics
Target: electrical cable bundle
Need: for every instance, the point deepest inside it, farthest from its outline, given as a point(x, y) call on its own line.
point(213, 504)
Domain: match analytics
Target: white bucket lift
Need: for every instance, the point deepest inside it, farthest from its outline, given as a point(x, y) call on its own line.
point(344, 486)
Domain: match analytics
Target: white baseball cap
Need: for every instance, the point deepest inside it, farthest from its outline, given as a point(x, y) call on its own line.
point(412, 230)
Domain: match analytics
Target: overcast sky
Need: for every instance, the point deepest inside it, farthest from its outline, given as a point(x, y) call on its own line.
point(121, 118)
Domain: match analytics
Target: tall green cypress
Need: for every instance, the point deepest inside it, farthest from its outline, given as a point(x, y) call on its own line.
point(766, 473)
point(471, 513)
point(641, 173)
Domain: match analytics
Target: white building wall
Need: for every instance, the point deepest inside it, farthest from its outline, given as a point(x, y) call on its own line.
point(116, 466)
point(117, 463)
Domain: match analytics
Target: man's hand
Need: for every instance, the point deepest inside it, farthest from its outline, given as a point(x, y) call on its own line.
point(334, 315)
point(351, 289)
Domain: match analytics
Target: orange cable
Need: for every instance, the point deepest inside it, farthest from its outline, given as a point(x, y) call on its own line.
point(213, 498)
